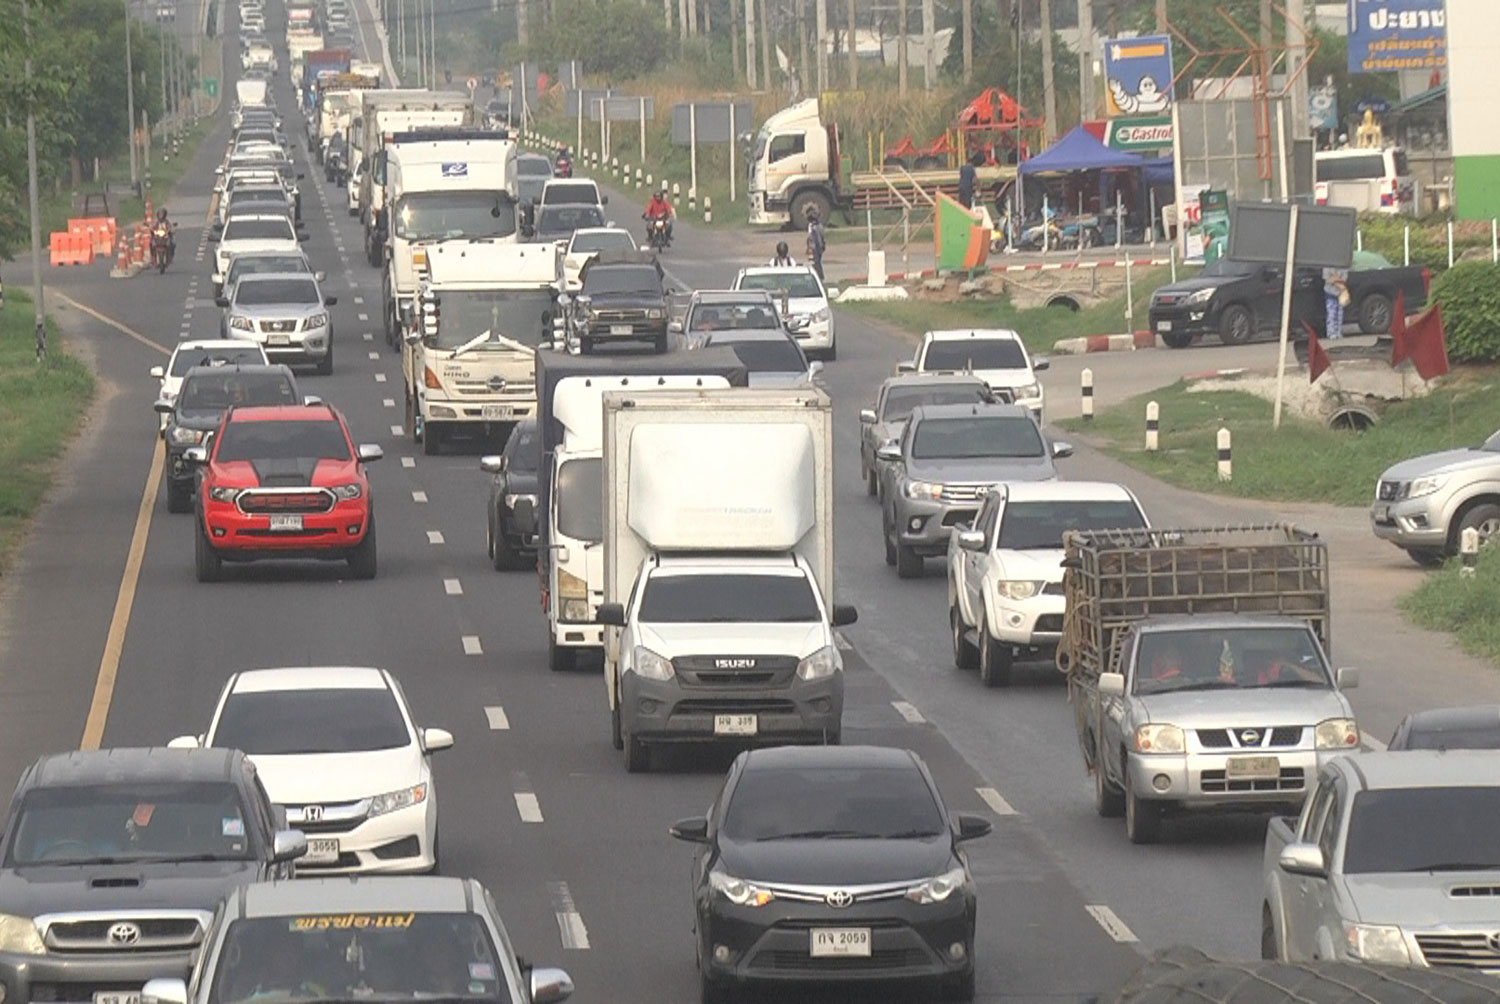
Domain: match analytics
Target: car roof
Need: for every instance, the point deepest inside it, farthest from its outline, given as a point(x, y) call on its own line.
point(1067, 491)
point(793, 757)
point(256, 216)
point(1216, 622)
point(584, 231)
point(270, 253)
point(127, 765)
point(1376, 771)
point(1461, 719)
point(958, 334)
point(711, 297)
point(249, 369)
point(975, 409)
point(275, 276)
point(776, 270)
point(620, 256)
point(207, 344)
point(931, 379)
point(284, 413)
point(358, 893)
point(260, 681)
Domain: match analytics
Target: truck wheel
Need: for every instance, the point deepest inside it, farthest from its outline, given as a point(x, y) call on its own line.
point(965, 656)
point(585, 345)
point(362, 558)
point(1109, 801)
point(560, 658)
point(615, 738)
point(1142, 818)
point(637, 756)
point(1177, 339)
point(1236, 324)
point(206, 562)
point(1375, 312)
point(1267, 934)
point(179, 497)
point(909, 564)
point(432, 440)
point(806, 200)
point(995, 659)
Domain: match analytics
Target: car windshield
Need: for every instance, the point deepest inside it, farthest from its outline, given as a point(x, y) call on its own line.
point(1478, 738)
point(251, 264)
point(521, 315)
point(130, 821)
point(799, 285)
point(728, 599)
point(577, 192)
point(899, 401)
point(214, 391)
point(974, 354)
point(264, 292)
point(1424, 830)
point(975, 436)
point(753, 315)
point(346, 955)
point(1031, 525)
point(186, 359)
point(532, 167)
point(604, 240)
point(429, 215)
point(292, 722)
point(768, 355)
point(560, 221)
point(523, 450)
point(580, 500)
point(1351, 167)
point(529, 187)
point(643, 279)
point(821, 802)
point(1228, 267)
point(292, 439)
point(259, 230)
point(1222, 658)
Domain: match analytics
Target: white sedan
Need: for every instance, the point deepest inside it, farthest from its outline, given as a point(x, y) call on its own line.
point(205, 352)
point(804, 303)
point(587, 242)
point(337, 748)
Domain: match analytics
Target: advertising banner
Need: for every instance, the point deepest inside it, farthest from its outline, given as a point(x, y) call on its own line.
point(1387, 35)
point(1150, 133)
point(1138, 76)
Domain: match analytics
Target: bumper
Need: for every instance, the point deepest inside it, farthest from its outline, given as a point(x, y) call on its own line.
point(446, 410)
point(668, 711)
point(578, 634)
point(625, 332)
point(310, 350)
point(1185, 321)
point(764, 212)
point(925, 525)
point(236, 536)
point(1410, 522)
point(1198, 781)
point(400, 841)
point(75, 979)
point(816, 336)
point(1034, 623)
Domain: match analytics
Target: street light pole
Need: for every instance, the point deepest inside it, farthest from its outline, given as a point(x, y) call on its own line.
point(135, 175)
point(33, 196)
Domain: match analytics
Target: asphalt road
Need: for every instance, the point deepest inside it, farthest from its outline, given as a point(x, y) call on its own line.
point(106, 637)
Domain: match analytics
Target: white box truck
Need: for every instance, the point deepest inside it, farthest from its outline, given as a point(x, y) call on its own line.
point(385, 119)
point(718, 569)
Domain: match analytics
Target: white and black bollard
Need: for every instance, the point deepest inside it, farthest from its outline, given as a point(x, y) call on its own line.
point(692, 199)
point(637, 177)
point(1153, 425)
point(708, 209)
point(1226, 465)
point(1468, 550)
point(676, 193)
point(1087, 379)
point(650, 184)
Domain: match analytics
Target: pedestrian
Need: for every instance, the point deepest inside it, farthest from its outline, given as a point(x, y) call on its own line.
point(1335, 299)
point(967, 177)
point(817, 240)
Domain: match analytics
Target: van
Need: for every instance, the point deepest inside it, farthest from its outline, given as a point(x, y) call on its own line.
point(1375, 181)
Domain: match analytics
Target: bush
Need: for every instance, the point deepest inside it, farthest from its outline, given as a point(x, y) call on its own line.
point(1385, 235)
point(1469, 294)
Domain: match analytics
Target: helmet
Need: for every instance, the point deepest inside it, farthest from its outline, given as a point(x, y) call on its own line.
point(161, 214)
point(662, 194)
point(781, 249)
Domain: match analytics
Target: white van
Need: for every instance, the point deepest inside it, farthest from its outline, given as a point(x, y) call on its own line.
point(1375, 181)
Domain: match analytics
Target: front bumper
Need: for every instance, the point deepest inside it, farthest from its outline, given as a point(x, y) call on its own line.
point(623, 331)
point(237, 536)
point(1414, 522)
point(818, 335)
point(671, 711)
point(311, 349)
point(445, 411)
point(1198, 781)
point(394, 842)
point(1191, 321)
point(74, 978)
point(765, 211)
point(1032, 623)
point(578, 634)
point(924, 525)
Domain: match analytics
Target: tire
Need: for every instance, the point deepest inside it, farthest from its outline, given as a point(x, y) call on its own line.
point(965, 655)
point(832, 352)
point(206, 562)
point(660, 343)
point(1268, 950)
point(388, 319)
point(615, 738)
point(325, 365)
point(1375, 314)
point(909, 564)
point(1109, 801)
point(637, 755)
point(959, 989)
point(1236, 324)
point(800, 205)
point(362, 563)
point(1427, 557)
point(995, 659)
point(870, 483)
point(1142, 819)
point(560, 658)
point(432, 440)
point(1484, 517)
point(890, 542)
point(505, 557)
point(179, 497)
point(1177, 340)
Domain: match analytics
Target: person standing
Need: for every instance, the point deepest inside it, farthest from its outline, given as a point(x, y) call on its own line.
point(968, 175)
point(1335, 299)
point(817, 240)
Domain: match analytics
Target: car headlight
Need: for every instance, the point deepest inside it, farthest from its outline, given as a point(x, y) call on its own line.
point(738, 891)
point(19, 934)
point(656, 313)
point(574, 611)
point(1018, 589)
point(1336, 734)
point(1376, 943)
point(650, 666)
point(186, 437)
point(399, 799)
point(241, 324)
point(353, 490)
point(1199, 296)
point(820, 315)
point(939, 888)
point(823, 662)
point(922, 490)
point(219, 494)
point(1159, 739)
point(1426, 486)
point(511, 500)
point(315, 321)
point(1026, 391)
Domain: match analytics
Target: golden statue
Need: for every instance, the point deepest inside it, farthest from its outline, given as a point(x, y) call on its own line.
point(1369, 133)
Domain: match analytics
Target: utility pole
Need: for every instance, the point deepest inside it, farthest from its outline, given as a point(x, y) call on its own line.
point(968, 16)
point(767, 44)
point(692, 18)
point(1086, 107)
point(161, 38)
point(521, 33)
point(804, 67)
point(32, 194)
point(1161, 16)
point(682, 21)
point(820, 21)
point(929, 60)
point(401, 32)
point(901, 58)
point(853, 51)
point(750, 75)
point(1296, 43)
point(1049, 91)
point(734, 39)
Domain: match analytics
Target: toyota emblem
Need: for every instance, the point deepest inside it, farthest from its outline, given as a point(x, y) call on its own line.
point(124, 933)
point(1249, 737)
point(838, 899)
point(496, 384)
point(312, 813)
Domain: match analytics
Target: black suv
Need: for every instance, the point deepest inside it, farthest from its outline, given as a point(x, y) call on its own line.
point(207, 392)
point(511, 526)
point(115, 860)
point(623, 299)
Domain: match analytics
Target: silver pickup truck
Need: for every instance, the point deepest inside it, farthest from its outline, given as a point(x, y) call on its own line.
point(1394, 860)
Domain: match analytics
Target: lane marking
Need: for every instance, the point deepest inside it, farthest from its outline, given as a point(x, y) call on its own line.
point(453, 587)
point(996, 802)
point(380, 378)
point(388, 402)
point(65, 298)
point(419, 496)
point(495, 715)
point(1112, 924)
point(1372, 742)
point(528, 806)
point(408, 461)
point(434, 536)
point(368, 337)
point(119, 621)
point(569, 921)
point(359, 299)
point(907, 711)
point(364, 317)
point(374, 355)
point(398, 430)
point(471, 645)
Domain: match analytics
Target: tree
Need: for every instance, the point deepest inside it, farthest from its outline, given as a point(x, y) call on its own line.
point(618, 38)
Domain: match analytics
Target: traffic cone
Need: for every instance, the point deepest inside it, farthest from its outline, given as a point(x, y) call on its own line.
point(123, 267)
point(142, 247)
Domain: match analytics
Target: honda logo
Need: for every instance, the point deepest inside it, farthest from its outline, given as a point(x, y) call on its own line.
point(312, 813)
point(839, 898)
point(124, 933)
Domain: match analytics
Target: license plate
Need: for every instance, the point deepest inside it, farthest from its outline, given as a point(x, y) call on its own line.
point(1244, 768)
point(117, 997)
point(735, 725)
point(323, 851)
point(839, 942)
point(285, 521)
point(621, 329)
point(1163, 325)
point(495, 412)
point(278, 340)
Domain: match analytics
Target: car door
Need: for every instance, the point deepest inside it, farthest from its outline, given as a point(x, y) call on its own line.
point(1302, 898)
point(1323, 914)
point(976, 563)
point(1112, 720)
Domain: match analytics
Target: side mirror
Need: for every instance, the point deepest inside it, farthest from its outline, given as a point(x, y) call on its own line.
point(312, 399)
point(161, 991)
point(288, 845)
point(1303, 859)
point(1061, 450)
point(612, 614)
point(603, 200)
point(369, 451)
point(195, 455)
point(330, 301)
point(412, 337)
point(814, 368)
point(221, 301)
point(158, 372)
point(185, 743)
point(832, 292)
point(675, 327)
point(550, 986)
point(1041, 363)
point(299, 173)
point(844, 614)
point(492, 464)
point(906, 367)
point(693, 829)
point(890, 453)
point(867, 416)
point(1347, 678)
point(436, 739)
point(972, 827)
point(1111, 685)
point(164, 407)
point(319, 275)
point(970, 540)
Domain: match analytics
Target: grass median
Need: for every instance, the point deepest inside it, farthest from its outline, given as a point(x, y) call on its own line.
point(41, 407)
point(1469, 609)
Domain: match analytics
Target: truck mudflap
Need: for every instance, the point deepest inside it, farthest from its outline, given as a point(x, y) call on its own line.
point(1184, 975)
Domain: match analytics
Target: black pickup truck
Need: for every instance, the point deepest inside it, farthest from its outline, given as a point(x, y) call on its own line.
point(1236, 300)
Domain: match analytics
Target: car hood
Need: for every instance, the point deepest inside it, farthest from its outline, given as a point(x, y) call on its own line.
point(837, 862)
point(884, 432)
point(337, 777)
point(277, 310)
point(1256, 707)
point(802, 304)
point(674, 640)
point(1006, 378)
point(300, 472)
point(1041, 565)
point(190, 885)
point(766, 379)
point(1444, 462)
point(1423, 899)
point(1173, 290)
point(982, 470)
point(615, 301)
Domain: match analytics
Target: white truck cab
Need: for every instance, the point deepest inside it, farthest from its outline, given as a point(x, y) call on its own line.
point(794, 166)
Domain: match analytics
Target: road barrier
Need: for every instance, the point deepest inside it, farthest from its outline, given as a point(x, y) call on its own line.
point(71, 249)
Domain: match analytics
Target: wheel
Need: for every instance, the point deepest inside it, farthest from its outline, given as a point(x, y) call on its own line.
point(1142, 818)
point(1109, 801)
point(205, 559)
point(890, 540)
point(560, 658)
point(637, 756)
point(505, 557)
point(660, 342)
point(959, 989)
point(803, 201)
point(615, 738)
point(325, 365)
point(1236, 324)
point(1427, 557)
point(362, 558)
point(995, 659)
point(1375, 313)
point(1267, 935)
point(388, 319)
point(831, 353)
point(179, 497)
point(432, 440)
point(870, 483)
point(965, 656)
point(909, 564)
point(1177, 339)
point(1484, 517)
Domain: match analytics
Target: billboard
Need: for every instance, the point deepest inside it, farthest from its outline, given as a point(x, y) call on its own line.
point(1138, 76)
point(1387, 35)
point(1150, 133)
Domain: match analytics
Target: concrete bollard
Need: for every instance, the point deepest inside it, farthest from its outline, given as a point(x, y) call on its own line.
point(676, 193)
point(1087, 379)
point(614, 167)
point(1468, 549)
point(1226, 465)
point(708, 209)
point(1153, 425)
point(637, 177)
point(650, 184)
point(692, 199)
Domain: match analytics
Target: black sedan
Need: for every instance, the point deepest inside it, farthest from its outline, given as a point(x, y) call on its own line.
point(557, 223)
point(1467, 728)
point(828, 864)
point(511, 528)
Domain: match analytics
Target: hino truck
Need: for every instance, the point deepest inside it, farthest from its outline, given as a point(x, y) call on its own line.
point(469, 353)
point(570, 521)
point(442, 185)
point(718, 569)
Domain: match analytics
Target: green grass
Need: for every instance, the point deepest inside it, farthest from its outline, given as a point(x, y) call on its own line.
point(41, 406)
point(1469, 609)
point(1303, 461)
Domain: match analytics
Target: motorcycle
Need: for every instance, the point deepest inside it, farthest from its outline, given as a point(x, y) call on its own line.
point(161, 247)
point(563, 167)
point(658, 234)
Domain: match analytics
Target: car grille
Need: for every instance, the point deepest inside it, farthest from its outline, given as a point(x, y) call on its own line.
point(711, 706)
point(1472, 951)
point(330, 818)
point(1164, 299)
point(963, 493)
point(1053, 589)
point(278, 327)
point(1291, 779)
point(781, 960)
point(733, 670)
point(1238, 738)
point(618, 316)
point(1388, 491)
point(254, 501)
point(523, 389)
point(149, 933)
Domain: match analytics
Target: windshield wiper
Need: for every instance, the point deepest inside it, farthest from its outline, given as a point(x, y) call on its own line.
point(819, 835)
point(910, 834)
point(1319, 684)
point(497, 338)
point(472, 343)
point(1200, 685)
point(1456, 866)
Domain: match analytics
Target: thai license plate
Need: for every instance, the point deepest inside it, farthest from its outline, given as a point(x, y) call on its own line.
point(285, 522)
point(117, 997)
point(840, 942)
point(278, 340)
point(735, 725)
point(1163, 325)
point(322, 851)
point(1249, 768)
point(621, 329)
point(496, 412)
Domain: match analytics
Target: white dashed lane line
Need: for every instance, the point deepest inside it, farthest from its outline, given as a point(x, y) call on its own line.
point(380, 378)
point(569, 920)
point(453, 587)
point(359, 299)
point(388, 402)
point(495, 715)
point(528, 806)
point(374, 355)
point(419, 496)
point(398, 430)
point(471, 645)
point(364, 317)
point(434, 536)
point(996, 802)
point(368, 337)
point(408, 461)
point(907, 711)
point(1112, 924)
point(841, 641)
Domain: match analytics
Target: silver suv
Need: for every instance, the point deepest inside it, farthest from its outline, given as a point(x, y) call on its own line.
point(1422, 505)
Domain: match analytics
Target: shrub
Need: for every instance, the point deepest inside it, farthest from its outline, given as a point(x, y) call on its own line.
point(1469, 294)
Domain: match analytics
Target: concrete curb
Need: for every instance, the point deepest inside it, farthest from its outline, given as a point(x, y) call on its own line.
point(1049, 266)
point(1105, 343)
point(862, 293)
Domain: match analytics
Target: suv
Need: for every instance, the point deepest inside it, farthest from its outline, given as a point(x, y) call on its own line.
point(200, 352)
point(996, 355)
point(898, 395)
point(805, 300)
point(114, 861)
point(1423, 505)
point(286, 312)
point(947, 458)
point(623, 297)
point(254, 233)
point(511, 529)
point(283, 482)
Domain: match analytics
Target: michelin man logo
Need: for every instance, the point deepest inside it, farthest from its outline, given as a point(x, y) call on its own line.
point(1147, 100)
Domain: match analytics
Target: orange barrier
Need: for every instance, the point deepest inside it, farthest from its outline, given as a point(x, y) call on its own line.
point(100, 230)
point(71, 249)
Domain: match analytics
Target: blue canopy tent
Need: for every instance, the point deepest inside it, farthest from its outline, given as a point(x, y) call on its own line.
point(1079, 151)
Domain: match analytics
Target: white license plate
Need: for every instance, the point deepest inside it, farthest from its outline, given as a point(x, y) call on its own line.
point(1163, 325)
point(839, 942)
point(322, 851)
point(495, 412)
point(1249, 768)
point(621, 329)
point(735, 725)
point(120, 997)
point(283, 521)
point(278, 340)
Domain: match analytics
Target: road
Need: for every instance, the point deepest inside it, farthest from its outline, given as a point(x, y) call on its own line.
point(105, 637)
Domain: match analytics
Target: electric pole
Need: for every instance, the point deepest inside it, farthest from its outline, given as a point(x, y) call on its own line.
point(521, 33)
point(750, 75)
point(135, 174)
point(1086, 105)
point(901, 58)
point(734, 39)
point(767, 44)
point(820, 19)
point(1049, 91)
point(805, 77)
point(692, 18)
point(853, 51)
point(32, 194)
point(1296, 43)
point(968, 16)
point(929, 60)
point(682, 21)
point(1161, 17)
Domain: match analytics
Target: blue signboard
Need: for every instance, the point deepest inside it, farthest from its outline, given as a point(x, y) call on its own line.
point(1386, 35)
point(1138, 76)
point(1323, 107)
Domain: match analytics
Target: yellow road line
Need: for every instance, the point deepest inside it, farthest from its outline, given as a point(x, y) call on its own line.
point(124, 329)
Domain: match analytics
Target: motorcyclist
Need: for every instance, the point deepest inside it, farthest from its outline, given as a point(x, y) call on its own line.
point(783, 257)
point(659, 209)
point(164, 230)
point(563, 165)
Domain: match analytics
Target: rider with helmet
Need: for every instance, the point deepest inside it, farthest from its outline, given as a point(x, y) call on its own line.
point(164, 231)
point(783, 257)
point(659, 209)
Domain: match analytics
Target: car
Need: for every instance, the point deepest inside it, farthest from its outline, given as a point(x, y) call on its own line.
point(805, 304)
point(949, 455)
point(115, 859)
point(832, 864)
point(533, 170)
point(256, 200)
point(711, 310)
point(997, 355)
point(1424, 504)
point(262, 263)
point(1005, 570)
point(207, 392)
point(338, 748)
point(584, 244)
point(623, 298)
point(318, 504)
point(200, 352)
point(511, 526)
point(286, 312)
point(559, 223)
point(898, 395)
point(771, 356)
point(257, 131)
point(263, 161)
point(573, 192)
point(265, 232)
point(1472, 727)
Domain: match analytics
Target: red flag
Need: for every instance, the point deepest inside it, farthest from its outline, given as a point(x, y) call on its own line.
point(1399, 348)
point(1317, 358)
point(1427, 344)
